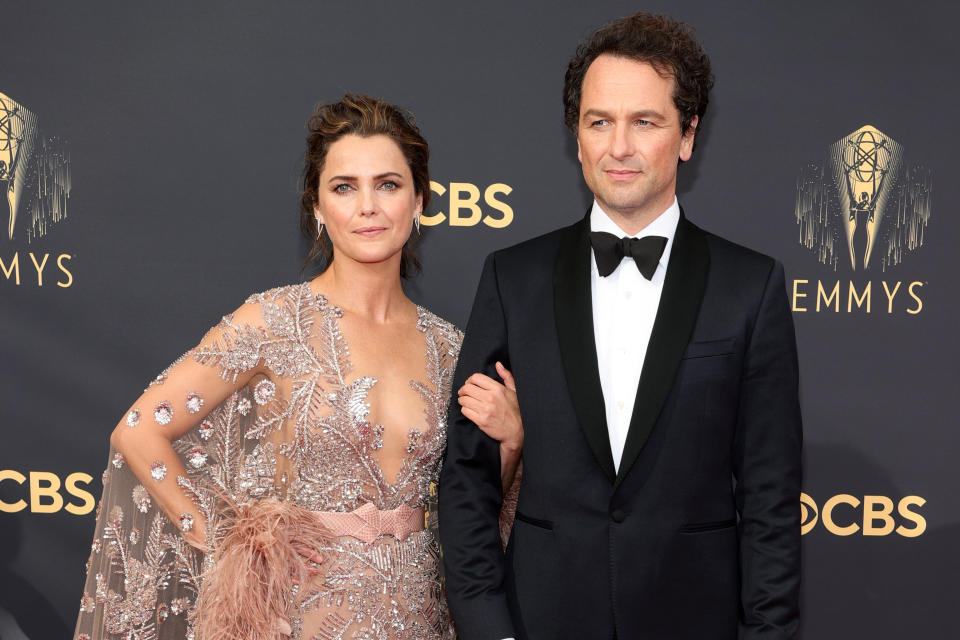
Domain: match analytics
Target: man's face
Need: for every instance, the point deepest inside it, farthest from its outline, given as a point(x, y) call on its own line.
point(629, 138)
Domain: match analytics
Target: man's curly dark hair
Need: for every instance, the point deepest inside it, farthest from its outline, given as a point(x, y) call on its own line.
point(666, 44)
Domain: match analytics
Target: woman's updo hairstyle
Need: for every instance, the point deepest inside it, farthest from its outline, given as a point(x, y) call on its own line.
point(361, 116)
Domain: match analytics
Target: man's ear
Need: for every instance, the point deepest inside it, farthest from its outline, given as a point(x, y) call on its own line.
point(579, 156)
point(686, 142)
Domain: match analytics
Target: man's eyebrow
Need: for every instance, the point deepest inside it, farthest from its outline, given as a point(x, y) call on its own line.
point(642, 113)
point(595, 113)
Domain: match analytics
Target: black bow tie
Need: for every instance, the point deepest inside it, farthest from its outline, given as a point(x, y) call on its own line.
point(609, 250)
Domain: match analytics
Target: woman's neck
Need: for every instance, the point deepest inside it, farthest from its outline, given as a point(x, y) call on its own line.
point(370, 290)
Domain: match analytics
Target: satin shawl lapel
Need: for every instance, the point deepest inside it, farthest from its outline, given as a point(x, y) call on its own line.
point(573, 309)
point(683, 288)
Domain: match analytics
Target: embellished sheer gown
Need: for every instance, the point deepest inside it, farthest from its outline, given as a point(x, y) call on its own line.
point(280, 456)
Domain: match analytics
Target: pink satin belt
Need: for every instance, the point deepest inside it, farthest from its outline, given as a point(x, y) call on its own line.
point(367, 523)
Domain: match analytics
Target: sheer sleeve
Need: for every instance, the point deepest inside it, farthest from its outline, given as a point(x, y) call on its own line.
point(508, 510)
point(180, 445)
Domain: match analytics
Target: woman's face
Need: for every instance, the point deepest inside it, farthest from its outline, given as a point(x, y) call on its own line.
point(367, 199)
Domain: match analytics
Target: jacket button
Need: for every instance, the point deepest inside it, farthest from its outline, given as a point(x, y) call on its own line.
point(618, 515)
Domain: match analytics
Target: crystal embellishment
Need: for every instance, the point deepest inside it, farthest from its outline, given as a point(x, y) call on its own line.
point(197, 456)
point(134, 536)
point(194, 402)
point(118, 460)
point(244, 406)
point(163, 414)
point(158, 470)
point(263, 391)
point(141, 498)
point(133, 418)
point(186, 522)
point(206, 429)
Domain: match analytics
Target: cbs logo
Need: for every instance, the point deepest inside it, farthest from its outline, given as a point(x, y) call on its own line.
point(463, 205)
point(845, 515)
point(44, 492)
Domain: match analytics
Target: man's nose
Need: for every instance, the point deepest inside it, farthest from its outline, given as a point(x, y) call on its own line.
point(622, 145)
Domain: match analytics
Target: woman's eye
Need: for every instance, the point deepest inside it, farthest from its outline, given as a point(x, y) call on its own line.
point(342, 188)
point(389, 185)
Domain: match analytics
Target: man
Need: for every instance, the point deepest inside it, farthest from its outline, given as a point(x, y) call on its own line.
point(657, 383)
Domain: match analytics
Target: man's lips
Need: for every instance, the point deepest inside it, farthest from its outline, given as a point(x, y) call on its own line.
point(621, 174)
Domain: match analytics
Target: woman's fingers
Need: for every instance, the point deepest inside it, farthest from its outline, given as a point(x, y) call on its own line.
point(482, 381)
point(479, 409)
point(485, 395)
point(506, 376)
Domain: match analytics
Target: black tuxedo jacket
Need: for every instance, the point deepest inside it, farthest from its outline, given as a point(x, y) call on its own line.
point(698, 535)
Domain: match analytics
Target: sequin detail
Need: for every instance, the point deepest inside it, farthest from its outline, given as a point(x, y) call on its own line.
point(194, 402)
point(206, 429)
point(141, 498)
point(196, 457)
point(244, 406)
point(163, 413)
point(133, 417)
point(186, 522)
point(263, 391)
point(158, 470)
point(178, 605)
point(118, 460)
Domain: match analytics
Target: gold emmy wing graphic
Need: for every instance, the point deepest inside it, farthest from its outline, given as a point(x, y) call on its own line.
point(34, 173)
point(863, 204)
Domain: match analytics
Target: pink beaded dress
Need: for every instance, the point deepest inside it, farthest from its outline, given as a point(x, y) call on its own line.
point(305, 535)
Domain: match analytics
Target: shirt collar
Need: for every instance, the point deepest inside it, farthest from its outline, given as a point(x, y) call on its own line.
point(663, 225)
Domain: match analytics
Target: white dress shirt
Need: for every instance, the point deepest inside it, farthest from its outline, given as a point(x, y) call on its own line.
point(624, 308)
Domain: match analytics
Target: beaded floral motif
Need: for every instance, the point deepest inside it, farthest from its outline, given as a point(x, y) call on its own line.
point(299, 434)
point(163, 413)
point(158, 470)
point(194, 402)
point(263, 391)
point(196, 457)
point(205, 430)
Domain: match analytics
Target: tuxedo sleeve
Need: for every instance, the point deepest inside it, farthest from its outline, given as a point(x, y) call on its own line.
point(470, 490)
point(767, 470)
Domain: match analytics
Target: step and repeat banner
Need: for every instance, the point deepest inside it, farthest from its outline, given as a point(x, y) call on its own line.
point(149, 159)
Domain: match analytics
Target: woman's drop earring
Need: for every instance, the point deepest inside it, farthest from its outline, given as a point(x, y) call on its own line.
point(319, 228)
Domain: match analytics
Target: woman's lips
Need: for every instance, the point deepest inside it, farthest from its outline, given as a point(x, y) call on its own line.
point(370, 232)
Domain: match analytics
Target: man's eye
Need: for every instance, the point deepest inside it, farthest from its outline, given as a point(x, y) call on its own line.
point(643, 123)
point(598, 123)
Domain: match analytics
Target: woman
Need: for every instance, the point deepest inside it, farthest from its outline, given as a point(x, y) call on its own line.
point(273, 481)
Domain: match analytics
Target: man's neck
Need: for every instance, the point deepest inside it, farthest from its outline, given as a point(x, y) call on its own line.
point(634, 222)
